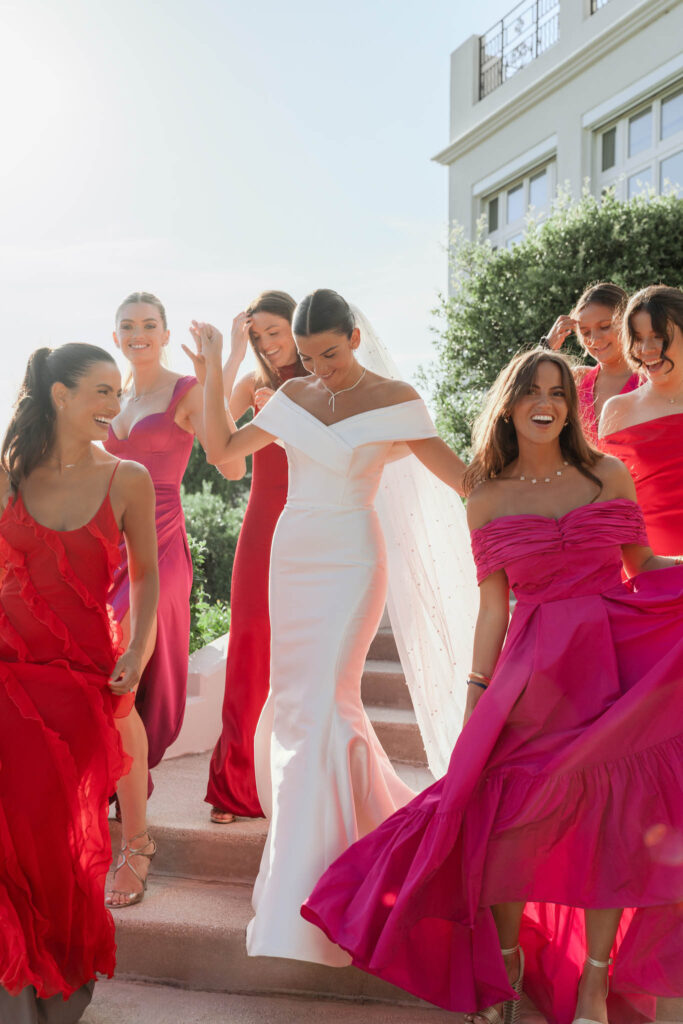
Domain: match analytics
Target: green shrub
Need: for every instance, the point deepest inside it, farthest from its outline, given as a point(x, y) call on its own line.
point(215, 525)
point(506, 299)
point(207, 621)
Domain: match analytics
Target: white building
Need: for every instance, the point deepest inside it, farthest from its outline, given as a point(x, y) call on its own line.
point(558, 92)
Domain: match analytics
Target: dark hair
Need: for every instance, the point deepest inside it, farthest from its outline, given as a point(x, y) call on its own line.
point(147, 297)
point(277, 304)
point(664, 306)
point(31, 432)
point(604, 293)
point(494, 435)
point(323, 310)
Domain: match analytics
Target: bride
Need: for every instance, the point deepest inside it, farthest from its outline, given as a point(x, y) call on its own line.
point(323, 779)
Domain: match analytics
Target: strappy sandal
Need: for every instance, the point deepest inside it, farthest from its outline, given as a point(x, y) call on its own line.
point(125, 854)
point(595, 963)
point(220, 817)
point(511, 1008)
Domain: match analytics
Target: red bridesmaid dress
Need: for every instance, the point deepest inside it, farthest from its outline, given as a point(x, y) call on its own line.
point(653, 454)
point(232, 785)
point(60, 752)
point(585, 387)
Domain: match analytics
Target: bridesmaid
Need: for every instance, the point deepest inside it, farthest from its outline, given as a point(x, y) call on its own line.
point(564, 787)
point(322, 776)
point(597, 318)
point(159, 419)
point(63, 676)
point(267, 322)
point(644, 428)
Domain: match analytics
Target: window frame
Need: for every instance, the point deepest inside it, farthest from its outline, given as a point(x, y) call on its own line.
point(505, 231)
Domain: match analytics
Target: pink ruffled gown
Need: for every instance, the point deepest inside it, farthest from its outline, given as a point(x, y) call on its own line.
point(564, 790)
point(164, 449)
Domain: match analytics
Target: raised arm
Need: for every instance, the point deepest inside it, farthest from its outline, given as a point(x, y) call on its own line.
point(133, 488)
point(223, 441)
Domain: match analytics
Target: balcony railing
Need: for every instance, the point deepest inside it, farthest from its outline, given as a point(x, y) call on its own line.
point(597, 4)
point(531, 28)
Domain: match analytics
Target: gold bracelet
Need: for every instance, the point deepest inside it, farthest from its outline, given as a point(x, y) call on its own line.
point(480, 675)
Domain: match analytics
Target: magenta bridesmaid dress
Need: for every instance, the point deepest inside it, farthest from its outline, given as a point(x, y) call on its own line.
point(564, 790)
point(164, 449)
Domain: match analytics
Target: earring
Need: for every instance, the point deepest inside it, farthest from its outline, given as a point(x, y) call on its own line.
point(506, 419)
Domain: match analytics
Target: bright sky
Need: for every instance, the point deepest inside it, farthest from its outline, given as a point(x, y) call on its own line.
point(207, 149)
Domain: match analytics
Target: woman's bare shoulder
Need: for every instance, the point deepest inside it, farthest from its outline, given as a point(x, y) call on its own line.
point(482, 503)
point(617, 412)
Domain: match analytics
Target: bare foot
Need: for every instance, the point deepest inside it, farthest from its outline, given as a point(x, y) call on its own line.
point(129, 886)
point(591, 1003)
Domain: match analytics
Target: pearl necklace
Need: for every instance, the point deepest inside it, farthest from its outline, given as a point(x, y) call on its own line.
point(546, 479)
point(333, 394)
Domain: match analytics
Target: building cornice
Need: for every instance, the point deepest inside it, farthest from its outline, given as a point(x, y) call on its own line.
point(609, 39)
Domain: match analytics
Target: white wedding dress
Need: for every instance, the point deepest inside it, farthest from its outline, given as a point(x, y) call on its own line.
point(322, 777)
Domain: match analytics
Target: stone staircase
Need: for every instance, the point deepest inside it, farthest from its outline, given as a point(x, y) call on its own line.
point(181, 953)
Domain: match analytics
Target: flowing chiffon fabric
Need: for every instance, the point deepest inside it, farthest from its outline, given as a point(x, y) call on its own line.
point(585, 387)
point(323, 779)
point(564, 790)
point(653, 454)
point(60, 752)
point(232, 783)
point(164, 449)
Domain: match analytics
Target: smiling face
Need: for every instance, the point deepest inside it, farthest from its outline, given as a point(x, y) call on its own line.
point(540, 415)
point(86, 410)
point(331, 357)
point(598, 328)
point(140, 333)
point(272, 336)
point(647, 346)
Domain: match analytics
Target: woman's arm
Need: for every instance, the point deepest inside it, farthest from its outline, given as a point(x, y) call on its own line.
point(560, 331)
point(134, 485)
point(224, 442)
point(489, 633)
point(440, 460)
point(191, 418)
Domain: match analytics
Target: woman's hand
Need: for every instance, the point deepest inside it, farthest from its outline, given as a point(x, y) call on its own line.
point(560, 331)
point(239, 336)
point(208, 341)
point(126, 674)
point(261, 396)
point(198, 359)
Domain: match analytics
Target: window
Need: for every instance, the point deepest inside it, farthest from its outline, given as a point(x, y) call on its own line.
point(643, 149)
point(507, 209)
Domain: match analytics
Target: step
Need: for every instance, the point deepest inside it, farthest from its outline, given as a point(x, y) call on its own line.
point(191, 845)
point(129, 1002)
point(398, 733)
point(383, 646)
point(193, 933)
point(384, 684)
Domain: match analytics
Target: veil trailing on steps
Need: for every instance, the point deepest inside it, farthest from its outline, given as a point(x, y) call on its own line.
point(433, 596)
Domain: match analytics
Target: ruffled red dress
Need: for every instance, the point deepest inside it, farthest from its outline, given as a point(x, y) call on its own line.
point(232, 784)
point(564, 790)
point(60, 752)
point(653, 454)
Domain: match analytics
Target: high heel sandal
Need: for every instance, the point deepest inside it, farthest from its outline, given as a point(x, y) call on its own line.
point(595, 963)
point(220, 817)
point(511, 1008)
point(125, 853)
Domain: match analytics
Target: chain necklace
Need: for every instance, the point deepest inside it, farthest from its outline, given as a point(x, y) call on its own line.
point(333, 394)
point(135, 397)
point(546, 479)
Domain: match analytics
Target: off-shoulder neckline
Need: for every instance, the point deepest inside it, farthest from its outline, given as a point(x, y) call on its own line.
point(557, 519)
point(355, 416)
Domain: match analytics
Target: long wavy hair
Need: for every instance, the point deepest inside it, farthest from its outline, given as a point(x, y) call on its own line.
point(664, 305)
point(277, 304)
point(494, 435)
point(31, 433)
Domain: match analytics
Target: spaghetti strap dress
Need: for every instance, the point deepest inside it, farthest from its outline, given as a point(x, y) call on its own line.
point(585, 387)
point(163, 448)
point(60, 751)
point(232, 782)
point(564, 791)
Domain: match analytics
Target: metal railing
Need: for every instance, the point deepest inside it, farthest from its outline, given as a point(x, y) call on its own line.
point(530, 29)
point(597, 4)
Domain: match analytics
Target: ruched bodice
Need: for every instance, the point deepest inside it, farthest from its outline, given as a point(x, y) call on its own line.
point(548, 559)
